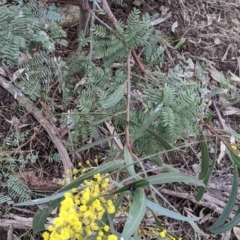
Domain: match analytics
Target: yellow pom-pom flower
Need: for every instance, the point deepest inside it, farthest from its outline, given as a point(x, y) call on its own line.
point(81, 211)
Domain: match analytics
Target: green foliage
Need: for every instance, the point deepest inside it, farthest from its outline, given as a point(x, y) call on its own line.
point(117, 1)
point(22, 28)
point(39, 72)
point(14, 188)
point(54, 158)
point(16, 33)
point(92, 91)
point(114, 45)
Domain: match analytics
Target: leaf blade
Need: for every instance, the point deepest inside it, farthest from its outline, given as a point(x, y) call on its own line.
point(115, 97)
point(160, 179)
point(157, 208)
point(39, 219)
point(136, 213)
point(206, 179)
point(228, 208)
point(129, 162)
point(204, 157)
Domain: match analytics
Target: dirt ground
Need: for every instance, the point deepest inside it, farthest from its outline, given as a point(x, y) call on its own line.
point(211, 29)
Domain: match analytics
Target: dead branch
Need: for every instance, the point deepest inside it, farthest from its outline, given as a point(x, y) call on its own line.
point(128, 101)
point(38, 115)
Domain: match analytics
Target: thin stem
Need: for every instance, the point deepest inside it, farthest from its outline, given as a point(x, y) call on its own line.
point(128, 81)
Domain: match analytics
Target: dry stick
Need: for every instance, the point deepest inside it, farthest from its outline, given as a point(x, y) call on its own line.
point(49, 128)
point(115, 21)
point(109, 12)
point(128, 101)
point(22, 224)
point(10, 233)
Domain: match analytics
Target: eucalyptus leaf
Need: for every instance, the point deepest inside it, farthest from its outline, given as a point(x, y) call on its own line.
point(39, 218)
point(149, 120)
point(93, 144)
point(204, 157)
point(235, 158)
point(214, 92)
point(158, 223)
point(164, 143)
point(232, 132)
point(228, 208)
point(160, 139)
point(164, 211)
point(110, 217)
point(227, 226)
point(136, 213)
point(129, 162)
point(206, 179)
point(160, 179)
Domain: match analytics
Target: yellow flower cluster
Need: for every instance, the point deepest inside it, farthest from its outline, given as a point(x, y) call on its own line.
point(163, 234)
point(81, 211)
point(236, 148)
point(77, 172)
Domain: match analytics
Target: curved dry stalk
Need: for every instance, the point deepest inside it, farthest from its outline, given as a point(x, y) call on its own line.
point(47, 125)
point(128, 144)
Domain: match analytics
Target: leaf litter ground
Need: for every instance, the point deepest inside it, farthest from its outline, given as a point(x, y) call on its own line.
point(211, 31)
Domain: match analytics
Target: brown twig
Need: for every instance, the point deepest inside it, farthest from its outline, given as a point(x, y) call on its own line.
point(38, 115)
point(115, 21)
point(139, 63)
point(128, 81)
point(109, 12)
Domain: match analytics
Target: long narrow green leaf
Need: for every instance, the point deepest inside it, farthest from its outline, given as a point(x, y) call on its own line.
point(136, 213)
point(160, 179)
point(201, 191)
point(228, 208)
point(161, 140)
point(157, 208)
point(227, 226)
point(214, 92)
point(42, 200)
point(115, 97)
point(90, 145)
point(158, 223)
point(108, 167)
point(39, 219)
point(110, 217)
point(129, 162)
point(235, 158)
point(149, 120)
point(204, 157)
point(232, 133)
